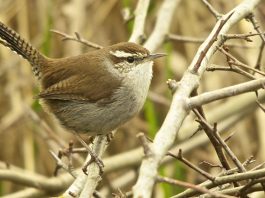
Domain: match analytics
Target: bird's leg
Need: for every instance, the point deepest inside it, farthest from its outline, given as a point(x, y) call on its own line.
point(94, 157)
point(110, 136)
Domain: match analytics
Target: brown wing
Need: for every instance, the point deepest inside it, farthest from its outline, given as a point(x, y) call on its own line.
point(83, 81)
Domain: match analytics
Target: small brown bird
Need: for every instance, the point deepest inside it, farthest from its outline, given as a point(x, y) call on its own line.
point(94, 92)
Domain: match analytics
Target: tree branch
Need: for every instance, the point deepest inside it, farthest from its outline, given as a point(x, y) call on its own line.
point(140, 18)
point(212, 96)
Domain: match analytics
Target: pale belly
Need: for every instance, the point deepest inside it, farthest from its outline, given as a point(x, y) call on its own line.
point(93, 118)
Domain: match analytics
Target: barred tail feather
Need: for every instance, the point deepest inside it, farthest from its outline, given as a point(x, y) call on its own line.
point(21, 47)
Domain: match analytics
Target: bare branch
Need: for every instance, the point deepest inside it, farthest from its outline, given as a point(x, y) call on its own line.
point(190, 39)
point(185, 161)
point(236, 161)
point(210, 43)
point(240, 36)
point(140, 18)
point(210, 130)
point(192, 186)
point(241, 88)
point(256, 26)
point(212, 10)
point(233, 61)
point(230, 68)
point(61, 164)
point(78, 38)
point(260, 106)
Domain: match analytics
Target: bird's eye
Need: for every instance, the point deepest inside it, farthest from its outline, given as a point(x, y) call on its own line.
point(130, 59)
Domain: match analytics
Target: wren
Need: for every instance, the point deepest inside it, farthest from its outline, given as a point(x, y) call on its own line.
point(91, 93)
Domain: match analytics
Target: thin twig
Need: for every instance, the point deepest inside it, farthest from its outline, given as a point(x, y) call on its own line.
point(229, 137)
point(211, 165)
point(192, 186)
point(210, 43)
point(240, 36)
point(236, 161)
point(209, 132)
point(262, 36)
point(61, 164)
point(256, 26)
point(190, 39)
point(236, 62)
point(258, 167)
point(238, 70)
point(78, 38)
point(212, 10)
point(260, 106)
point(259, 59)
point(189, 164)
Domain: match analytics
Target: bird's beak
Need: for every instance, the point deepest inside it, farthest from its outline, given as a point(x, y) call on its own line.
point(154, 56)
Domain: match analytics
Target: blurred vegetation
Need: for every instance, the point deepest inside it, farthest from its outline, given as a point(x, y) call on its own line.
point(102, 22)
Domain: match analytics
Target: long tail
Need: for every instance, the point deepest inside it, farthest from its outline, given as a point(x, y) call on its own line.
point(12, 40)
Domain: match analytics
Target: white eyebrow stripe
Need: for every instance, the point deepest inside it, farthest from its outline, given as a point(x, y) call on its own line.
point(122, 54)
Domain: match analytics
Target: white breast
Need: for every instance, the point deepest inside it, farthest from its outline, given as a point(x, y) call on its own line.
point(139, 80)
